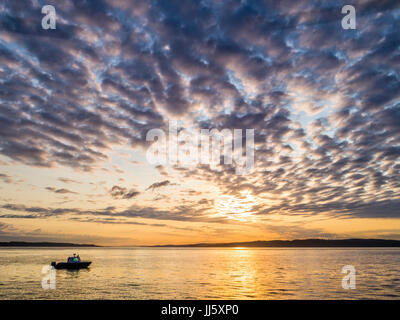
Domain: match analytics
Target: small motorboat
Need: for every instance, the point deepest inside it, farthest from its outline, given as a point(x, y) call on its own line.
point(73, 262)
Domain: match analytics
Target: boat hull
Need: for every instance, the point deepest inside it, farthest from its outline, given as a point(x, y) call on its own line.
point(73, 265)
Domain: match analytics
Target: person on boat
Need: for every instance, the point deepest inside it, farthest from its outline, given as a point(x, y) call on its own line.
point(72, 259)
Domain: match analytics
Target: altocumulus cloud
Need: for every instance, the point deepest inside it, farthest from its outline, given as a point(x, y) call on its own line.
point(160, 184)
point(324, 102)
point(118, 192)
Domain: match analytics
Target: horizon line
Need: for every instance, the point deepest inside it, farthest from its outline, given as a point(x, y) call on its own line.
point(200, 244)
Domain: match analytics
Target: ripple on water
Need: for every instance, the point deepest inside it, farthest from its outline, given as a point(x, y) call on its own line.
point(132, 285)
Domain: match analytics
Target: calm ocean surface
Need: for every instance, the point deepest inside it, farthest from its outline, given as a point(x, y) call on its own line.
point(202, 273)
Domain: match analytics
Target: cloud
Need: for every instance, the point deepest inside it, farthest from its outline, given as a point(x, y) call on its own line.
point(189, 213)
point(160, 184)
point(123, 193)
point(324, 102)
point(68, 181)
point(61, 191)
point(5, 178)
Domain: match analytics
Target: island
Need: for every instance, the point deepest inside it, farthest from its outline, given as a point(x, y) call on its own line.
point(43, 244)
point(304, 243)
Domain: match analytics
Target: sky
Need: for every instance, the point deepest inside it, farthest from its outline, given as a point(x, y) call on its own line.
point(77, 102)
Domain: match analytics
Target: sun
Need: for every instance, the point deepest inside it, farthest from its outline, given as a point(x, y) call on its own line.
point(236, 207)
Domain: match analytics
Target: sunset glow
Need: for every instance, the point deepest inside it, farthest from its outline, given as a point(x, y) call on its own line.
point(320, 104)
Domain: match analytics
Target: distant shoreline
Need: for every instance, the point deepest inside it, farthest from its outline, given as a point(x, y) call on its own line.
point(43, 244)
point(300, 243)
point(306, 243)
